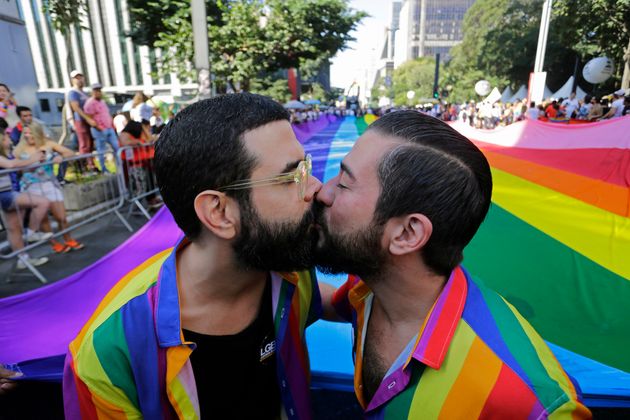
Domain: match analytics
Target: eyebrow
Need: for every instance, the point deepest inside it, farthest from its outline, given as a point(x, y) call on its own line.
point(291, 166)
point(347, 170)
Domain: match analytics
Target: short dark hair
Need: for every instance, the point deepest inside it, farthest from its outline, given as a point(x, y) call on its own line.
point(20, 109)
point(3, 124)
point(202, 148)
point(438, 172)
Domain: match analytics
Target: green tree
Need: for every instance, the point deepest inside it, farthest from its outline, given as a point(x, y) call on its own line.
point(64, 15)
point(248, 38)
point(416, 75)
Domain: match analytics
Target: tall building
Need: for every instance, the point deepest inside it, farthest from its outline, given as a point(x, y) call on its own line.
point(16, 66)
point(429, 27)
point(384, 65)
point(98, 48)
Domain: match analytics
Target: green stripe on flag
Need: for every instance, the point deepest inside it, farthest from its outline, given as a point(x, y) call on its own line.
point(570, 300)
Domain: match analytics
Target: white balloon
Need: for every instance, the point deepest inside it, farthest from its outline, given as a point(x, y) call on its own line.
point(598, 70)
point(482, 87)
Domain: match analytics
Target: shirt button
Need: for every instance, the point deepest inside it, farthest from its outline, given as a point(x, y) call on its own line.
point(391, 385)
point(284, 383)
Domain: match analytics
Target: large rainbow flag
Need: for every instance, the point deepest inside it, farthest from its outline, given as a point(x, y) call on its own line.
point(556, 244)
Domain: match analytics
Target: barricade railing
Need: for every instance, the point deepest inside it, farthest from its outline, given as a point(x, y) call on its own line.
point(85, 193)
point(137, 176)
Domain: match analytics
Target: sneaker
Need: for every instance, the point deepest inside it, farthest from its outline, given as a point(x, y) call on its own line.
point(74, 245)
point(35, 262)
point(60, 248)
point(32, 236)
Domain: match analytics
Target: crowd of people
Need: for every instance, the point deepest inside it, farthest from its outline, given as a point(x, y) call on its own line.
point(488, 115)
point(28, 196)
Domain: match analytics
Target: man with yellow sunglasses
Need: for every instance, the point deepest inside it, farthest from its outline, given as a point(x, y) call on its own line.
point(213, 328)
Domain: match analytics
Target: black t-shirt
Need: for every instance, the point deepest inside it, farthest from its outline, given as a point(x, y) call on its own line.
point(236, 374)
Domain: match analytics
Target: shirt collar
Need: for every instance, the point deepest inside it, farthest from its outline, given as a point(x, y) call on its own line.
point(437, 331)
point(167, 312)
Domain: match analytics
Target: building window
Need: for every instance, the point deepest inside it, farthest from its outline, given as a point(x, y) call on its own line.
point(44, 105)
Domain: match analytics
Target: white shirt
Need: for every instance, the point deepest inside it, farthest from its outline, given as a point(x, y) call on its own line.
point(571, 105)
point(533, 113)
point(618, 105)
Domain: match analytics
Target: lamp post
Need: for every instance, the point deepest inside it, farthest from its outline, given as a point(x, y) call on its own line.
point(538, 78)
point(200, 42)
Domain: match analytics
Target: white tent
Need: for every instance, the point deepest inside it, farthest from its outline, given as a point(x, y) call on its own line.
point(494, 96)
point(520, 94)
point(548, 93)
point(506, 95)
point(565, 90)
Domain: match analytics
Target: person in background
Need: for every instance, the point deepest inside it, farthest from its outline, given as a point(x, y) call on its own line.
point(8, 105)
point(571, 105)
point(140, 110)
point(626, 106)
point(26, 117)
point(42, 181)
point(103, 133)
point(585, 107)
point(596, 111)
point(157, 123)
point(81, 122)
point(12, 202)
point(617, 105)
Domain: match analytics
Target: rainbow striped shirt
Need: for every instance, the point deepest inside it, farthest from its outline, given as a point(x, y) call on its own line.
point(475, 356)
point(130, 360)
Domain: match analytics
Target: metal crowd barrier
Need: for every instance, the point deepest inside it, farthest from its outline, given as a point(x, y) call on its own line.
point(87, 194)
point(137, 176)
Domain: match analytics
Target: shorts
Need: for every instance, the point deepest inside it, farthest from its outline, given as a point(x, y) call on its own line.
point(46, 189)
point(7, 200)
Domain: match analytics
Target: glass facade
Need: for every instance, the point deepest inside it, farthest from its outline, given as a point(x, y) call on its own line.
point(443, 19)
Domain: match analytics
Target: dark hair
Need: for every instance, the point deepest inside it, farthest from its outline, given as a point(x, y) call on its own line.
point(21, 109)
point(532, 104)
point(438, 172)
point(587, 98)
point(134, 128)
point(202, 148)
point(5, 86)
point(3, 124)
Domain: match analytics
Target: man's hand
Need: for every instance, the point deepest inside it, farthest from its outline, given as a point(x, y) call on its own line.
point(6, 384)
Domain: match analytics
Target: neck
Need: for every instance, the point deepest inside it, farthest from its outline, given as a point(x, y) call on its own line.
point(406, 290)
point(207, 271)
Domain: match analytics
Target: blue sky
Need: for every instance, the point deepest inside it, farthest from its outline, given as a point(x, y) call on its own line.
point(351, 64)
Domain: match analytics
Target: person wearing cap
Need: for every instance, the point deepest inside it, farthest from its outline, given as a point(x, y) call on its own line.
point(616, 108)
point(103, 130)
point(81, 122)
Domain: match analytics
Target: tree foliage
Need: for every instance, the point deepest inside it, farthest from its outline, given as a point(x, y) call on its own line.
point(500, 40)
point(416, 75)
point(247, 38)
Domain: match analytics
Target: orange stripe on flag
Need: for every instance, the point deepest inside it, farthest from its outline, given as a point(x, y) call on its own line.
point(606, 196)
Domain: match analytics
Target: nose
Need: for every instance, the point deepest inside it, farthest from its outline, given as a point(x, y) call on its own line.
point(312, 188)
point(326, 194)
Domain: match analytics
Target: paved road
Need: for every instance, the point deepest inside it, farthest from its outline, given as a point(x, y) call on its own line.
point(100, 238)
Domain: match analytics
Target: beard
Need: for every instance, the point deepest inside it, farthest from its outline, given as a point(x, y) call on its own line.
point(274, 246)
point(357, 253)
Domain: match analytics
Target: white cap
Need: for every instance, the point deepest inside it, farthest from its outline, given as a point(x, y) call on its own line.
point(75, 73)
point(620, 92)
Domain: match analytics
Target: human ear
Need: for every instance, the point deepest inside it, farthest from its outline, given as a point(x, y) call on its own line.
point(217, 213)
point(409, 233)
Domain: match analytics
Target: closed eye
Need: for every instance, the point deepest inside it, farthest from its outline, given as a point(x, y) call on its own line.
point(341, 186)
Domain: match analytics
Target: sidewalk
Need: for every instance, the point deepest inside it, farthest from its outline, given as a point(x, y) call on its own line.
point(99, 238)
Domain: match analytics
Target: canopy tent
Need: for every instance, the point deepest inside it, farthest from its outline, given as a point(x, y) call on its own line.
point(548, 93)
point(520, 94)
point(506, 95)
point(565, 90)
point(494, 96)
